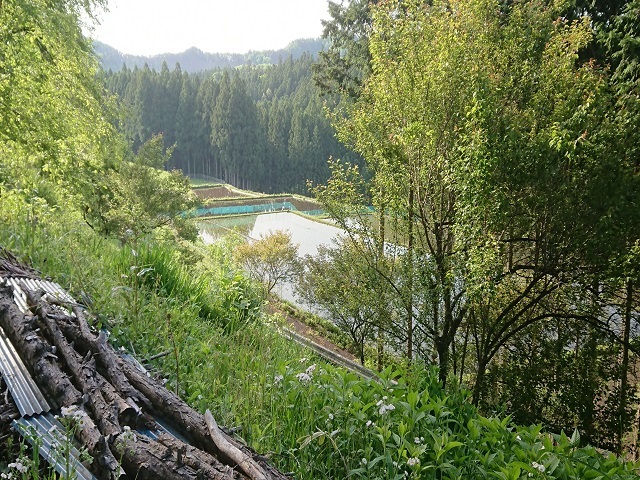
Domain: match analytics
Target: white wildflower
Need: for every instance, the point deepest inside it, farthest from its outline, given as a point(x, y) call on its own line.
point(364, 461)
point(518, 438)
point(413, 461)
point(74, 413)
point(277, 379)
point(541, 468)
point(68, 411)
point(18, 465)
point(368, 424)
point(304, 360)
point(311, 369)
point(303, 377)
point(331, 416)
point(416, 440)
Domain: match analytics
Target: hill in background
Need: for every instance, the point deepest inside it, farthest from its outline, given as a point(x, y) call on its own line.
point(195, 60)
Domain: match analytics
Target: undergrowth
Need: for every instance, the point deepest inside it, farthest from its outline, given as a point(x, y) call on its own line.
point(222, 353)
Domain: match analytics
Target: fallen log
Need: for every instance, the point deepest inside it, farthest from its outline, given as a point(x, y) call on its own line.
point(87, 343)
point(132, 453)
point(21, 330)
point(83, 372)
point(168, 458)
point(43, 365)
point(250, 468)
point(107, 358)
point(177, 412)
point(110, 397)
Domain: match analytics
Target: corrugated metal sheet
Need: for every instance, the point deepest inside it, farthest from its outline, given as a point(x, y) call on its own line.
point(37, 422)
point(53, 290)
point(23, 388)
point(52, 439)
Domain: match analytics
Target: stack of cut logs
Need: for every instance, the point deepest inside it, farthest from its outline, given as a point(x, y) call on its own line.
point(75, 367)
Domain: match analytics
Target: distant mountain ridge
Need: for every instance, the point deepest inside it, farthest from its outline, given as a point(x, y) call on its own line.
point(195, 60)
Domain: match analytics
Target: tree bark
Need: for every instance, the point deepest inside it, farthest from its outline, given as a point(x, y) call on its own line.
point(66, 365)
point(146, 459)
point(36, 353)
point(177, 412)
point(244, 461)
point(624, 367)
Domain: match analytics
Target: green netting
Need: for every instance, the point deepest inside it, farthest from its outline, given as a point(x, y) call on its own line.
point(248, 209)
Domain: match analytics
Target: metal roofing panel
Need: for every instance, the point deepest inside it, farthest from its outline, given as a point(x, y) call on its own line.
point(52, 436)
point(25, 392)
point(53, 290)
point(18, 294)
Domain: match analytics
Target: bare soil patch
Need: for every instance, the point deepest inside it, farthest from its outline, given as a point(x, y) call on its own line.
point(219, 191)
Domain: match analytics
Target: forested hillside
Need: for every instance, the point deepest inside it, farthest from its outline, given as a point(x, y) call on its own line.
point(262, 128)
point(195, 60)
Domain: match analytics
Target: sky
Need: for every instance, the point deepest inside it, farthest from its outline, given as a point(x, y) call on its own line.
point(150, 27)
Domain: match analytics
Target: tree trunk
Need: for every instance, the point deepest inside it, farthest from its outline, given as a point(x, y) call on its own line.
point(410, 281)
point(442, 346)
point(624, 381)
point(477, 387)
point(464, 353)
point(381, 313)
point(42, 364)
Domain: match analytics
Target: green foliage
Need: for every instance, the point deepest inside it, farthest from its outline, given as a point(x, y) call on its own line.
point(345, 65)
point(499, 159)
point(271, 259)
point(138, 197)
point(219, 296)
point(340, 284)
point(314, 418)
point(468, 145)
point(396, 428)
point(53, 116)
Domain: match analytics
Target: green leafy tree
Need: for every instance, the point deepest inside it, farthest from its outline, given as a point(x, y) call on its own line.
point(486, 154)
point(53, 114)
point(140, 196)
point(405, 125)
point(340, 284)
point(271, 259)
point(236, 132)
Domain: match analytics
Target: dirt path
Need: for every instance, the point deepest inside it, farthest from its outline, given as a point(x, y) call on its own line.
point(310, 334)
